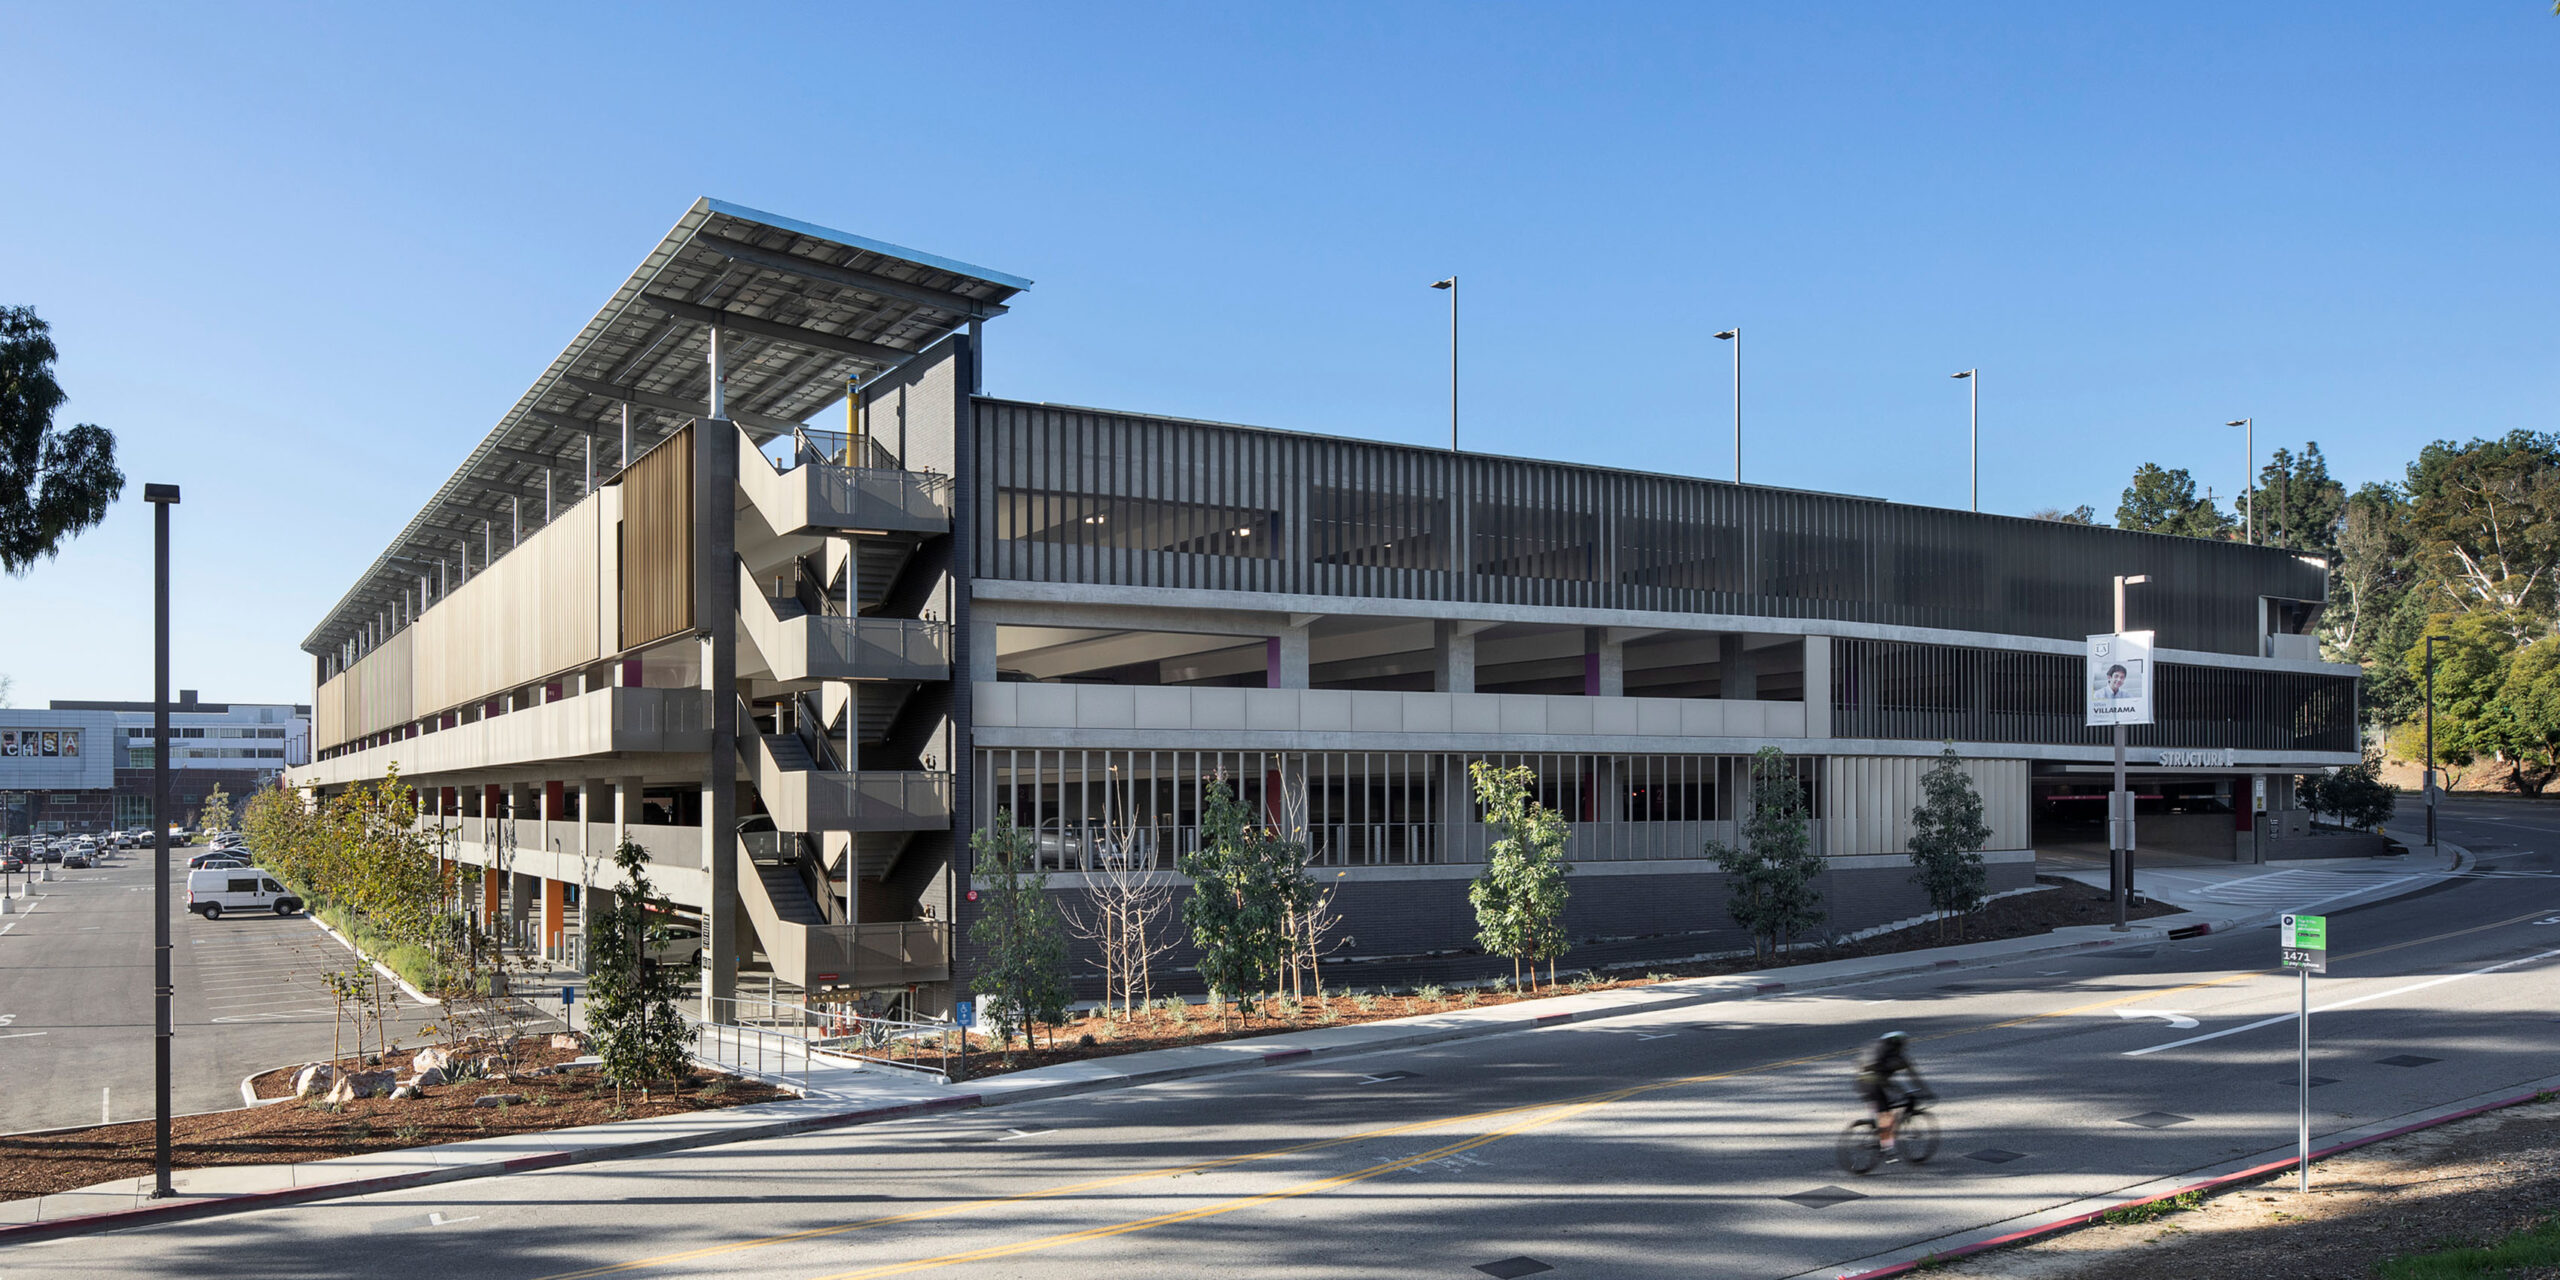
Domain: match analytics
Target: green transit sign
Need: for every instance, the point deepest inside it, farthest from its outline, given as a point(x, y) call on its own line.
point(2306, 943)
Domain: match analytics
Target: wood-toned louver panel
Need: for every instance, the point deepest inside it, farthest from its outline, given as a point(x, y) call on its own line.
point(657, 542)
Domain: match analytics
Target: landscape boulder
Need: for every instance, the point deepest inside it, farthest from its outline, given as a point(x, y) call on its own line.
point(428, 1059)
point(498, 1100)
point(428, 1078)
point(363, 1084)
point(573, 1043)
point(315, 1078)
point(406, 1091)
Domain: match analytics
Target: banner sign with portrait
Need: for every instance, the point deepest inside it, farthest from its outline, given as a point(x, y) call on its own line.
point(2120, 676)
point(32, 744)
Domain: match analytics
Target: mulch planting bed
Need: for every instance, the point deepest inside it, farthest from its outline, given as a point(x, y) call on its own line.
point(290, 1132)
point(2055, 905)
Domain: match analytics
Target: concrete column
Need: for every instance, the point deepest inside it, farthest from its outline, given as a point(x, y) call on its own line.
point(1604, 664)
point(1453, 658)
point(519, 900)
point(982, 650)
point(1286, 660)
point(1817, 686)
point(715, 608)
point(1738, 671)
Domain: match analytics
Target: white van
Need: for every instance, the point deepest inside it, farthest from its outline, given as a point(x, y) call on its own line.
point(214, 890)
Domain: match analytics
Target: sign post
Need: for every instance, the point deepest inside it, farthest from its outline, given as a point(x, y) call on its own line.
point(2305, 943)
point(2119, 688)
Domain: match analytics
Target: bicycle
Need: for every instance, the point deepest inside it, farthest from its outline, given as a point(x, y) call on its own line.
point(1915, 1136)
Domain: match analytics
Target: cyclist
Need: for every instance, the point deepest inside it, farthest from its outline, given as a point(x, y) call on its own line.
point(1889, 1056)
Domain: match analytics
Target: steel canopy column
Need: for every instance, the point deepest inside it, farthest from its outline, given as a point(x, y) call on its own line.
point(715, 611)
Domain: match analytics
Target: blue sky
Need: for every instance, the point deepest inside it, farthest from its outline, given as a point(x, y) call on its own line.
point(300, 259)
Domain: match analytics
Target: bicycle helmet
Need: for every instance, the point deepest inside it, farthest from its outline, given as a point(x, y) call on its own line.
point(1893, 1035)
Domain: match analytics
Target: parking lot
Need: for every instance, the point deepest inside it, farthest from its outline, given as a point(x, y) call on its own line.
point(76, 997)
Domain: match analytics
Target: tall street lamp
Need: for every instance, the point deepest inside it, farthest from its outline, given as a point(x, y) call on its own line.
point(1734, 336)
point(1451, 284)
point(2252, 474)
point(2430, 779)
point(2120, 801)
point(1973, 381)
point(161, 497)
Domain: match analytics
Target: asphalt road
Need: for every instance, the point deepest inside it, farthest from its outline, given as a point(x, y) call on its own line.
point(76, 1002)
point(1690, 1143)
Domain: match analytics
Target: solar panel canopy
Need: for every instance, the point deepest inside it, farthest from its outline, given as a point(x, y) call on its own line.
point(803, 311)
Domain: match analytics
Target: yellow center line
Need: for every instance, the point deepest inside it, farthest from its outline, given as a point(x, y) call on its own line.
point(1562, 1109)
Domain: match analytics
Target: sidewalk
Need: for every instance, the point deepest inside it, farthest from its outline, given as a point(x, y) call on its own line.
point(2318, 884)
point(841, 1092)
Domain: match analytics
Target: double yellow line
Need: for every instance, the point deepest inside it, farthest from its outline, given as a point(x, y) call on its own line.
point(1530, 1116)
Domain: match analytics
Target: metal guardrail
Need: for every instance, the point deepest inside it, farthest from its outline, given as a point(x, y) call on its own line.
point(925, 1048)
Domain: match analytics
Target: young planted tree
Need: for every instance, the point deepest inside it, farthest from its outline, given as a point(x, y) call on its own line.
point(215, 815)
point(631, 1009)
point(1771, 873)
point(1248, 883)
point(1022, 979)
point(1124, 917)
point(1520, 895)
point(1947, 835)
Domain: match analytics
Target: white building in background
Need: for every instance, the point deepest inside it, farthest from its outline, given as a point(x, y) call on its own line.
point(266, 737)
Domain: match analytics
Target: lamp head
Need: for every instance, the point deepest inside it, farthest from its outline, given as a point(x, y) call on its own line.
point(1730, 333)
point(1450, 283)
point(2137, 578)
point(163, 493)
point(1966, 374)
point(2237, 422)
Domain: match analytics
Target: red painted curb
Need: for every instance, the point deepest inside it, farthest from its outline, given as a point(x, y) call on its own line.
point(1545, 1018)
point(1286, 1054)
point(153, 1215)
point(1770, 986)
point(2209, 1184)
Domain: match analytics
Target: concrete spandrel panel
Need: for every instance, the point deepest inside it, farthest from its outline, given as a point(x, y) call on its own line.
point(996, 703)
point(1216, 708)
point(1271, 710)
point(1616, 716)
point(1324, 709)
point(1475, 713)
point(1163, 708)
point(1385, 712)
point(1425, 712)
point(1106, 706)
point(1521, 713)
point(1783, 719)
point(1568, 714)
point(1747, 719)
point(1046, 706)
point(1657, 717)
point(1703, 718)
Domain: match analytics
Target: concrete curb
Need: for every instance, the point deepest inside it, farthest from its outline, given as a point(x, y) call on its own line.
point(378, 967)
point(1714, 990)
point(2218, 1182)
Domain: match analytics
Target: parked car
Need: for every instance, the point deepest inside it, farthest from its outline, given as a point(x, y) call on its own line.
point(682, 945)
point(216, 858)
point(214, 890)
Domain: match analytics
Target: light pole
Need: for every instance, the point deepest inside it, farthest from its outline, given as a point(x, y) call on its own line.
point(2252, 474)
point(1734, 336)
point(1451, 284)
point(161, 497)
point(1974, 382)
point(2430, 780)
point(2120, 801)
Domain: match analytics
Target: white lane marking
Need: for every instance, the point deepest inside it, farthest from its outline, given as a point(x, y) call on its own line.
point(21, 1035)
point(2176, 1021)
point(1011, 1134)
point(439, 1220)
point(2378, 995)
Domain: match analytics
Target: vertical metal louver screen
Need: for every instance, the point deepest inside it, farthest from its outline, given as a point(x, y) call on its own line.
point(657, 542)
point(1076, 495)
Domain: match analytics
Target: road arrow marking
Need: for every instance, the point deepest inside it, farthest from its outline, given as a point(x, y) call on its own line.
point(439, 1220)
point(2176, 1021)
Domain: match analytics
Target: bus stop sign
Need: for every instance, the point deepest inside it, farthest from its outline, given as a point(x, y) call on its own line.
point(2306, 943)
